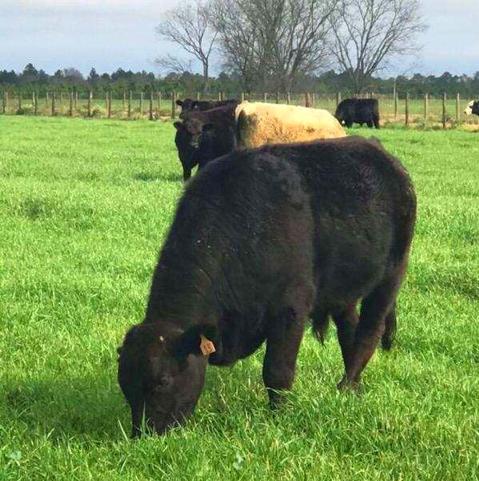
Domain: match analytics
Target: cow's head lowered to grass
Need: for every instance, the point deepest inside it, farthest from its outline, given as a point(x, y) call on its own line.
point(162, 371)
point(472, 108)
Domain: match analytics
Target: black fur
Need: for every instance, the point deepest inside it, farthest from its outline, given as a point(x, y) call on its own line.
point(189, 133)
point(190, 105)
point(263, 239)
point(360, 111)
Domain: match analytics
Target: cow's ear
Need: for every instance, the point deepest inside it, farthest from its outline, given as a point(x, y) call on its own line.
point(209, 127)
point(179, 103)
point(199, 340)
point(178, 125)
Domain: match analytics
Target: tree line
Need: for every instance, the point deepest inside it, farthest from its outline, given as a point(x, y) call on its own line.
point(271, 45)
point(327, 83)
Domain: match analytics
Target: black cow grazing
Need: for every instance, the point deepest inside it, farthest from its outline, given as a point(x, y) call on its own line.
point(188, 133)
point(472, 108)
point(359, 111)
point(263, 239)
point(190, 105)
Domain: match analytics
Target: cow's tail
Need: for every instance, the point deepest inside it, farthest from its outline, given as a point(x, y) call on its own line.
point(320, 325)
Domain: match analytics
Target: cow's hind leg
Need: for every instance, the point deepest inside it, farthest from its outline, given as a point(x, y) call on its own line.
point(282, 343)
point(371, 327)
point(346, 323)
point(390, 329)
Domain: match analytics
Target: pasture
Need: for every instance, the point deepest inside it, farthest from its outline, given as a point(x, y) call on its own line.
point(84, 208)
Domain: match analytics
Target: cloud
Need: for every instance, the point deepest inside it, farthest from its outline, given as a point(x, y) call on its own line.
point(111, 33)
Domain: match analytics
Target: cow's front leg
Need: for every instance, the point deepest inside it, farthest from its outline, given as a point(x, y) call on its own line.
point(282, 345)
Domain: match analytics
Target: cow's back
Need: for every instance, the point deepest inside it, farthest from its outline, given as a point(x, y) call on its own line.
point(261, 124)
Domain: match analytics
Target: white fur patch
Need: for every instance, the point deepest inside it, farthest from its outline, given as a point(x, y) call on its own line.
point(468, 110)
point(276, 123)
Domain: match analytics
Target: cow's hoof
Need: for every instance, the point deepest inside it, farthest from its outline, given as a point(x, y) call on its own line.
point(276, 399)
point(347, 385)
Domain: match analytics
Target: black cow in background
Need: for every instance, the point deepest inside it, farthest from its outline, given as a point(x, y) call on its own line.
point(188, 132)
point(472, 108)
point(216, 139)
point(190, 105)
point(262, 240)
point(359, 111)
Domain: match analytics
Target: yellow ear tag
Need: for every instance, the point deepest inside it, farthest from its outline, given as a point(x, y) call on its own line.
point(206, 346)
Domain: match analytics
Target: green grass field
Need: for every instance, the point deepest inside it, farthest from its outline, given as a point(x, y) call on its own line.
point(84, 208)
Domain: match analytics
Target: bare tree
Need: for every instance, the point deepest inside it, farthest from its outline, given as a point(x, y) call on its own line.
point(174, 64)
point(271, 42)
point(368, 34)
point(189, 27)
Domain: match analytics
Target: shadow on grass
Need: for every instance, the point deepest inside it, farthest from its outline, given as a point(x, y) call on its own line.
point(67, 407)
point(88, 407)
point(152, 177)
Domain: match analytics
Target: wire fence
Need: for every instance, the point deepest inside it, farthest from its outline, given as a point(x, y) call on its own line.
point(130, 105)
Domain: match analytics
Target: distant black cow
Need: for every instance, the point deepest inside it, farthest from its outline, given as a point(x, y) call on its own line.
point(263, 239)
point(188, 133)
point(254, 125)
point(216, 139)
point(359, 111)
point(472, 108)
point(190, 105)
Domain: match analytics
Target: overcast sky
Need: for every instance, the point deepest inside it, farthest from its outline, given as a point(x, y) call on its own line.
point(107, 34)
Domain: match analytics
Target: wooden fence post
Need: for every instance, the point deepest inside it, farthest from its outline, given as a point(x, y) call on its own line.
point(75, 97)
point(198, 96)
point(47, 99)
point(109, 104)
point(288, 98)
point(106, 100)
point(130, 97)
point(444, 98)
point(90, 98)
point(151, 106)
point(141, 103)
point(265, 97)
point(124, 99)
point(53, 104)
point(173, 105)
point(242, 97)
point(338, 98)
point(458, 112)
point(426, 106)
point(307, 102)
point(70, 110)
point(19, 100)
point(407, 110)
point(158, 100)
point(5, 102)
point(35, 103)
point(396, 102)
point(313, 100)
